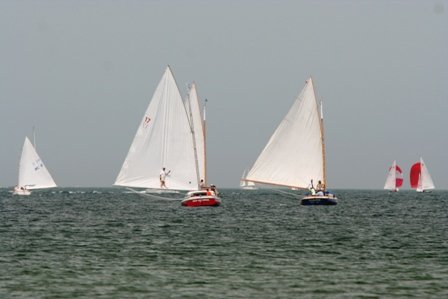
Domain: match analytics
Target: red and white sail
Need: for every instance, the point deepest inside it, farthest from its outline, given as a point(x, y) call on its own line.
point(420, 178)
point(394, 178)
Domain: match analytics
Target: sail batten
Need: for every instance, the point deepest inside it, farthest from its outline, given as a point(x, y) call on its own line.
point(163, 139)
point(294, 154)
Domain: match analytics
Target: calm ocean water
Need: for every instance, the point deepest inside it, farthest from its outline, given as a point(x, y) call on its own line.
point(104, 243)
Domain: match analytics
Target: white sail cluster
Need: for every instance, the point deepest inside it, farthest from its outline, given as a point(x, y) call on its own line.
point(166, 137)
point(295, 153)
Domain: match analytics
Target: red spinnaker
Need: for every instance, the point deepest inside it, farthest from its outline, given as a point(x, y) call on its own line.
point(415, 175)
point(398, 176)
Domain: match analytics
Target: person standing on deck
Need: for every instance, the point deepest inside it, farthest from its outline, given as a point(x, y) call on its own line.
point(311, 188)
point(162, 177)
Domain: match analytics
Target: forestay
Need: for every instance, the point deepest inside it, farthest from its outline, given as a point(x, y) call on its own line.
point(32, 172)
point(163, 139)
point(295, 153)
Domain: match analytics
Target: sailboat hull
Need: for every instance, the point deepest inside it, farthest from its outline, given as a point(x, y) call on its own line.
point(201, 201)
point(249, 188)
point(319, 200)
point(21, 192)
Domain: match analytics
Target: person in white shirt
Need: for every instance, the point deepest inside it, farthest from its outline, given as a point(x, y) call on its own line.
point(163, 175)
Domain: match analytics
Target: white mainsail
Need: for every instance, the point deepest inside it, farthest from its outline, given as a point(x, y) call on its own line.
point(163, 139)
point(197, 122)
point(32, 172)
point(295, 153)
point(425, 182)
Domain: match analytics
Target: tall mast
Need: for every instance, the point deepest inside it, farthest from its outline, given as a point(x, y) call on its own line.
point(322, 136)
point(323, 143)
point(204, 132)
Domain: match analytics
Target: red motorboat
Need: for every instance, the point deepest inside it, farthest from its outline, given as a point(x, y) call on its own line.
point(201, 198)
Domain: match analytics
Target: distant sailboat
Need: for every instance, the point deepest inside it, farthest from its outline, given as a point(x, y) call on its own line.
point(394, 178)
point(163, 139)
point(247, 185)
point(420, 178)
point(295, 155)
point(32, 172)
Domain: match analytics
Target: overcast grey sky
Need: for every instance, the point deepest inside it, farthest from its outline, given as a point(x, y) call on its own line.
point(83, 73)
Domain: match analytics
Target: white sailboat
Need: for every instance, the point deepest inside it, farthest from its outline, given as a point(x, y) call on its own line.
point(207, 195)
point(32, 172)
point(420, 178)
point(247, 185)
point(394, 178)
point(163, 139)
point(294, 157)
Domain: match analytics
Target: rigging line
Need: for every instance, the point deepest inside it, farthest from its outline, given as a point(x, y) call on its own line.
point(284, 192)
point(146, 195)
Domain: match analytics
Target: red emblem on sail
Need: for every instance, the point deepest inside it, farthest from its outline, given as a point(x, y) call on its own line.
point(146, 121)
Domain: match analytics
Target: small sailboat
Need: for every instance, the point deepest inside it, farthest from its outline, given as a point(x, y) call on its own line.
point(295, 153)
point(206, 195)
point(420, 178)
point(247, 185)
point(163, 139)
point(32, 172)
point(394, 178)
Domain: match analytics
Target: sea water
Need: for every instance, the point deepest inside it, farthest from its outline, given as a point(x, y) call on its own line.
point(109, 243)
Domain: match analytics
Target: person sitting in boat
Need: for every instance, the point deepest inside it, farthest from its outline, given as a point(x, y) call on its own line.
point(320, 188)
point(213, 190)
point(209, 193)
point(162, 177)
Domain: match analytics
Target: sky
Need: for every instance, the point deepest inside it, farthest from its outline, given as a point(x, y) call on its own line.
point(83, 73)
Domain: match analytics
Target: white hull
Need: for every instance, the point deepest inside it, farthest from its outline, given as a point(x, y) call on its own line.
point(249, 188)
point(21, 192)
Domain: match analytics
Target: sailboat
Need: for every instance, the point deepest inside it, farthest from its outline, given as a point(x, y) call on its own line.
point(206, 195)
point(163, 140)
point(32, 172)
point(394, 178)
point(420, 178)
point(247, 185)
point(294, 157)
point(166, 140)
